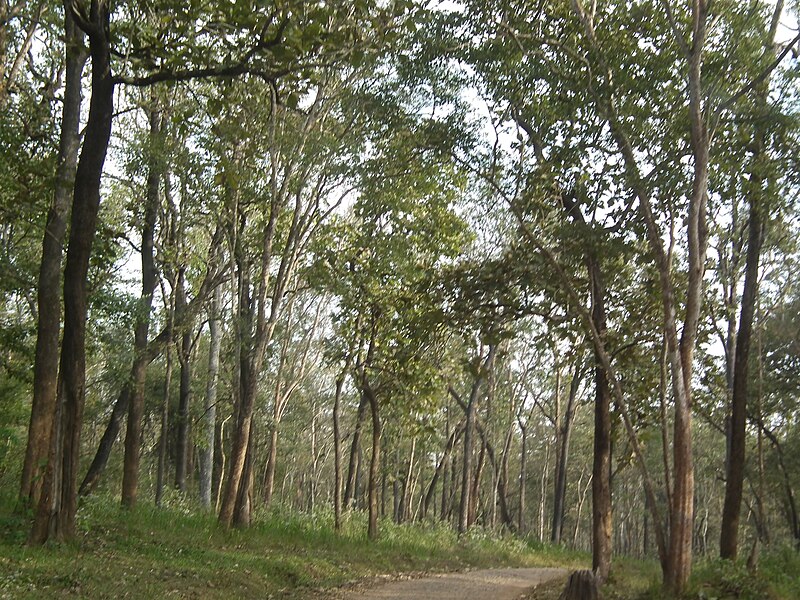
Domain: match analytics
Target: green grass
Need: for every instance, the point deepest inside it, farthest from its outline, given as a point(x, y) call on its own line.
point(175, 552)
point(776, 578)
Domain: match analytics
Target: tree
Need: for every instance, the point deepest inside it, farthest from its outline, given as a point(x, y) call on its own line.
point(762, 174)
point(48, 294)
point(56, 511)
point(55, 515)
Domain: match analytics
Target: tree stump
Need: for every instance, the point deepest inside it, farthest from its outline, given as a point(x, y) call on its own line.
point(582, 585)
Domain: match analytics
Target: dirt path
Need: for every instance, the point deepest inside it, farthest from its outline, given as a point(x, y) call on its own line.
point(487, 584)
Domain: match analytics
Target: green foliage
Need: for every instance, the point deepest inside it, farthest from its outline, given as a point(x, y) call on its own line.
point(722, 579)
point(151, 552)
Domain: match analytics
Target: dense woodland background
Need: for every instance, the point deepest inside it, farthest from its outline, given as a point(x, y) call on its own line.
point(521, 266)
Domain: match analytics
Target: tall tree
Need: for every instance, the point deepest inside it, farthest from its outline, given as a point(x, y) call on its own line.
point(761, 183)
point(48, 291)
point(55, 515)
point(133, 435)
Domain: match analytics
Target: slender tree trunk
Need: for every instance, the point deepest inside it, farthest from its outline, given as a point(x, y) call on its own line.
point(210, 413)
point(563, 455)
point(337, 451)
point(601, 464)
point(470, 409)
point(466, 467)
point(241, 439)
point(375, 462)
point(446, 462)
point(405, 511)
point(110, 434)
point(48, 326)
point(55, 516)
point(243, 507)
point(756, 232)
point(476, 486)
point(350, 491)
point(154, 349)
point(133, 437)
point(272, 458)
point(522, 526)
point(185, 395)
point(738, 436)
point(161, 475)
point(441, 470)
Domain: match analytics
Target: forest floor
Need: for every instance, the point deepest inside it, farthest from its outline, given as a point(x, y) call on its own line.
point(174, 552)
point(178, 552)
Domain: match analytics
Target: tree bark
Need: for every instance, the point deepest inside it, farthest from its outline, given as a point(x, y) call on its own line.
point(185, 391)
point(337, 451)
point(161, 475)
point(756, 231)
point(471, 407)
point(55, 516)
point(210, 405)
point(676, 561)
point(522, 526)
point(133, 437)
point(48, 326)
point(601, 463)
point(154, 349)
point(441, 469)
point(375, 461)
point(119, 410)
point(563, 455)
point(350, 491)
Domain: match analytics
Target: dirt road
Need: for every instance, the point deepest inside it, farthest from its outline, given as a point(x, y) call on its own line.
point(487, 584)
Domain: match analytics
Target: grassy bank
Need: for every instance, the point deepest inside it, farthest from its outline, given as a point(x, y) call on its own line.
point(174, 552)
point(777, 577)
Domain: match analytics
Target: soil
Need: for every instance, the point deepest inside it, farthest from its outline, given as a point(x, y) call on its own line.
point(485, 584)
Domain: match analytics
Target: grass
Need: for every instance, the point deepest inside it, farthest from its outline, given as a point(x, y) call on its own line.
point(776, 578)
point(178, 553)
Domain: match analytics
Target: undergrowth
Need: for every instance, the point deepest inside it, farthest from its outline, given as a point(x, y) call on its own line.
point(176, 551)
point(777, 577)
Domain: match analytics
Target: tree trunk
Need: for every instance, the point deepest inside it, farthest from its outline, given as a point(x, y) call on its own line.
point(161, 476)
point(756, 231)
point(48, 326)
point(272, 458)
point(522, 526)
point(243, 509)
point(55, 516)
point(447, 462)
point(241, 440)
point(470, 408)
point(601, 463)
point(210, 405)
point(582, 585)
point(350, 490)
point(337, 451)
point(110, 434)
point(441, 470)
point(154, 348)
point(563, 455)
point(375, 462)
point(408, 488)
point(476, 486)
point(737, 433)
point(185, 395)
point(133, 437)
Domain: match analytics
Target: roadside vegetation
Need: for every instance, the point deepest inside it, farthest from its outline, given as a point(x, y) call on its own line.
point(119, 553)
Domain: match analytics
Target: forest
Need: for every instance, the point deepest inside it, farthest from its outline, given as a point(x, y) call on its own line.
point(529, 269)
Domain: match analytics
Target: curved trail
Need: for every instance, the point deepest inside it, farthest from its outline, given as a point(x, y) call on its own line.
point(486, 584)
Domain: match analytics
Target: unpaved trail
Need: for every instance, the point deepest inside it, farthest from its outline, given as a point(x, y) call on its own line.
point(486, 584)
